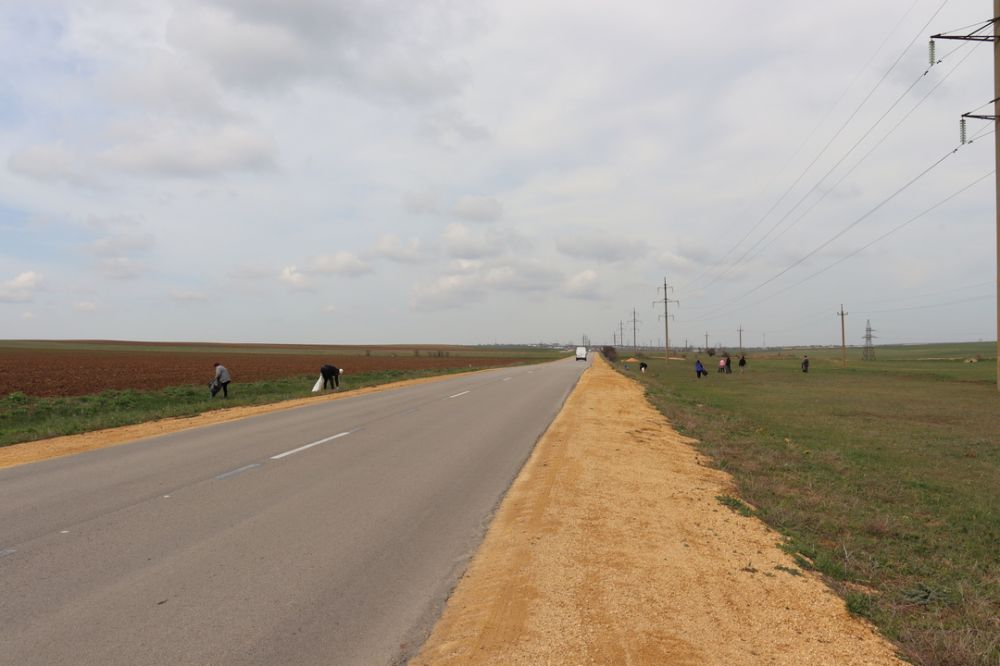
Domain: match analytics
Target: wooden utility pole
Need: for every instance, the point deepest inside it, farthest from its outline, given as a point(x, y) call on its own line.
point(843, 339)
point(740, 331)
point(706, 341)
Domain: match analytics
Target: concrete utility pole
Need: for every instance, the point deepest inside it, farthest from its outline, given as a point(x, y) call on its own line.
point(740, 331)
point(621, 332)
point(666, 319)
point(635, 346)
point(995, 118)
point(706, 341)
point(843, 339)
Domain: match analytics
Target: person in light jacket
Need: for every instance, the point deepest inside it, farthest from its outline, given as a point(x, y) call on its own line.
point(221, 381)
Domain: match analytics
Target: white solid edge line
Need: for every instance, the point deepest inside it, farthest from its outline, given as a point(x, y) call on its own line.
point(309, 446)
point(457, 394)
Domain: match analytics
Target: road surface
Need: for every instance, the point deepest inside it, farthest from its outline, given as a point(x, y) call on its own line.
point(328, 534)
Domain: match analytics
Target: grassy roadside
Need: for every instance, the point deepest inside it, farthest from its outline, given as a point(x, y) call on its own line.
point(26, 418)
point(883, 476)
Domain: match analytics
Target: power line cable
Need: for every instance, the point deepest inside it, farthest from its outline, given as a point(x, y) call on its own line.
point(864, 157)
point(840, 233)
point(883, 236)
point(925, 294)
point(931, 305)
point(820, 182)
point(822, 151)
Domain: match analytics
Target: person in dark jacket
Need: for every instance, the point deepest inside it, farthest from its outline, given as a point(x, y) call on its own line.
point(743, 362)
point(331, 375)
point(805, 364)
point(699, 369)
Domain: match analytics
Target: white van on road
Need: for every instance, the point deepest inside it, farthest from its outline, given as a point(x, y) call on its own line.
point(581, 353)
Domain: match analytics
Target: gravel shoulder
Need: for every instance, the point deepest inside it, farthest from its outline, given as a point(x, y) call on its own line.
point(612, 548)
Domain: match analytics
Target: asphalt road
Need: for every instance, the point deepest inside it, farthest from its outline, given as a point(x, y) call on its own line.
point(329, 534)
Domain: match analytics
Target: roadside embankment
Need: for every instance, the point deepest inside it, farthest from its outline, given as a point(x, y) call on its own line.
point(612, 547)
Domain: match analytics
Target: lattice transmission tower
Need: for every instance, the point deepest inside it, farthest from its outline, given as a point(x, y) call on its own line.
point(869, 353)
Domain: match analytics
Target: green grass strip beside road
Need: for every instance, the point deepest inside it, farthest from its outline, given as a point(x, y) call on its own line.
point(883, 476)
point(26, 418)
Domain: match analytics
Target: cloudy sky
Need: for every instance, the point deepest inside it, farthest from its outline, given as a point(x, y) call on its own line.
point(337, 171)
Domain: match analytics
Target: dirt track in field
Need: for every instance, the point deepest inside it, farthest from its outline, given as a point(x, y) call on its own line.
point(612, 548)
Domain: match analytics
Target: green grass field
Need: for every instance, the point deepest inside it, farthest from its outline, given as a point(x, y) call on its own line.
point(884, 476)
point(26, 418)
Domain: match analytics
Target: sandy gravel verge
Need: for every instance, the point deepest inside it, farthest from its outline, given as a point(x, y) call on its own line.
point(611, 548)
point(28, 452)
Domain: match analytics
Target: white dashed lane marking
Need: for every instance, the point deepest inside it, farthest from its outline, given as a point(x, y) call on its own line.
point(312, 444)
point(234, 472)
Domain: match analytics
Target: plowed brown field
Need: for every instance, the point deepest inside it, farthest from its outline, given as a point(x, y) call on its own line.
point(62, 372)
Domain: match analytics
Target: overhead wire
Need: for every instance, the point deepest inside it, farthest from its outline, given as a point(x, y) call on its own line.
point(883, 236)
point(850, 151)
point(864, 157)
point(926, 294)
point(932, 305)
point(830, 142)
point(840, 233)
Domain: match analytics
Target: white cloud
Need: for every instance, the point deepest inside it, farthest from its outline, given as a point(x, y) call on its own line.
point(162, 150)
point(478, 209)
point(584, 285)
point(341, 263)
point(462, 242)
point(519, 275)
point(422, 203)
point(169, 83)
point(27, 315)
point(120, 268)
point(447, 292)
point(52, 162)
point(122, 244)
point(605, 247)
point(21, 288)
point(242, 273)
point(471, 280)
point(383, 51)
point(86, 306)
point(187, 296)
point(292, 276)
point(391, 247)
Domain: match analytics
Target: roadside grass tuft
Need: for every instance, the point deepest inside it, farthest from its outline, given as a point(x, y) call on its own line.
point(881, 476)
point(737, 505)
